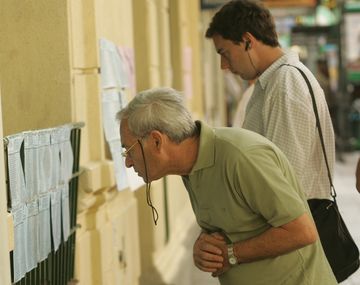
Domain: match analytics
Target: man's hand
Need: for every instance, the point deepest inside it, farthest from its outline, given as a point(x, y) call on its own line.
point(208, 252)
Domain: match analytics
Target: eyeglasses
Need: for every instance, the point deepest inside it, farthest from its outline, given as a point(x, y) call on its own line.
point(126, 152)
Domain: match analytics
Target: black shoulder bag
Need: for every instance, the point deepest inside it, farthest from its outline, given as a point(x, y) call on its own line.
point(339, 247)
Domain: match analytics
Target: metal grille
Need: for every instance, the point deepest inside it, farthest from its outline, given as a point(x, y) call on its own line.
point(58, 267)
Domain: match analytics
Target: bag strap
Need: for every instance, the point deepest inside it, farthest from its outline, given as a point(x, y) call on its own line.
point(332, 188)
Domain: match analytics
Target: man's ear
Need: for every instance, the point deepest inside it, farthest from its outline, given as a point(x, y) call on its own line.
point(248, 40)
point(157, 138)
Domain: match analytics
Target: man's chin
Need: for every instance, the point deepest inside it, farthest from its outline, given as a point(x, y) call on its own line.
point(149, 180)
point(143, 178)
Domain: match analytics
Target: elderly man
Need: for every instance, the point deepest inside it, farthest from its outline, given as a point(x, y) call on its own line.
point(240, 186)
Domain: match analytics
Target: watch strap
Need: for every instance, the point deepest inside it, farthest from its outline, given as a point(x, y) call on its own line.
point(231, 255)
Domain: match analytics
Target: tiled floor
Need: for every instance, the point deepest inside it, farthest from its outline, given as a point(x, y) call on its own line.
point(349, 204)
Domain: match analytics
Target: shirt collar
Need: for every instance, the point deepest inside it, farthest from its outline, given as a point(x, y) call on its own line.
point(206, 152)
point(289, 57)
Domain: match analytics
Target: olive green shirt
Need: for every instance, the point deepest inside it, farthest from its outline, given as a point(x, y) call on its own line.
point(242, 185)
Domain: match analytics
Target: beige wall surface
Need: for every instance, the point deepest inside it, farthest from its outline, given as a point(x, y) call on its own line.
point(148, 38)
point(106, 247)
point(4, 232)
point(107, 243)
point(167, 48)
point(34, 65)
point(50, 73)
point(213, 78)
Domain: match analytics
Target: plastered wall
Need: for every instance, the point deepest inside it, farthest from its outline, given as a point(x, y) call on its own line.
point(107, 241)
point(5, 231)
point(34, 58)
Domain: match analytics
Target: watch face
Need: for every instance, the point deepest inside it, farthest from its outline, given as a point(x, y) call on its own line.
point(232, 260)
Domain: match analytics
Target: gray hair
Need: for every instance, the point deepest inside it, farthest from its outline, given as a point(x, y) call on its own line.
point(160, 109)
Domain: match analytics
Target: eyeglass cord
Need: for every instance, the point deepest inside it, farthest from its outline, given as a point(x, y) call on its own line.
point(154, 212)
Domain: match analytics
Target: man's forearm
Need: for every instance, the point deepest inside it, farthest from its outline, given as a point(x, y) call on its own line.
point(277, 241)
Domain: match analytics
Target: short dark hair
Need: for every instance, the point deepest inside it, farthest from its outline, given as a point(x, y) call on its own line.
point(237, 17)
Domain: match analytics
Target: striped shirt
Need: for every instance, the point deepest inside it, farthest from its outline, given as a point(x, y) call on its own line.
point(281, 110)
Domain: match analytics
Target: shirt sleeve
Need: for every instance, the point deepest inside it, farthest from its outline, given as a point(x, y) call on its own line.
point(269, 187)
point(289, 117)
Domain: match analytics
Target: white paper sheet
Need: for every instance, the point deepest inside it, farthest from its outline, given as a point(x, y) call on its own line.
point(19, 253)
point(119, 165)
point(18, 206)
point(44, 230)
point(55, 158)
point(16, 173)
point(117, 72)
point(56, 216)
point(44, 234)
point(31, 240)
point(66, 154)
point(66, 166)
point(128, 58)
point(111, 104)
point(55, 189)
point(32, 181)
point(65, 211)
point(113, 74)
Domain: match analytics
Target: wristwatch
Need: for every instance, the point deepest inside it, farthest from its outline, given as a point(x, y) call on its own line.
point(231, 255)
